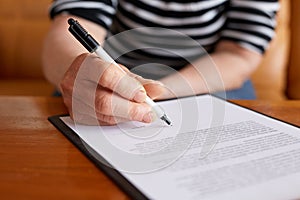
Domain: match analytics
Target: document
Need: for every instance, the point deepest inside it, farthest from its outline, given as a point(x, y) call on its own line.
point(214, 150)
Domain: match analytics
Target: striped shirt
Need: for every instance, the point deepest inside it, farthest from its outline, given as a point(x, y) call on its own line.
point(175, 28)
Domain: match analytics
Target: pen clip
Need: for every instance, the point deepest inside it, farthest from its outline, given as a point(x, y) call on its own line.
point(82, 35)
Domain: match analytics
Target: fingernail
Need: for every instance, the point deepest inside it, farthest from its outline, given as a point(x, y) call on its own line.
point(149, 117)
point(140, 96)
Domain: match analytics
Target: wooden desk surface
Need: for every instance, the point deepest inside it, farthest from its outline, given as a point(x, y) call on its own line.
point(38, 162)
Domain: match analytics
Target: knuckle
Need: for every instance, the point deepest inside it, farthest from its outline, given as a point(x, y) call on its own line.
point(103, 104)
point(134, 113)
point(110, 78)
point(66, 85)
point(106, 120)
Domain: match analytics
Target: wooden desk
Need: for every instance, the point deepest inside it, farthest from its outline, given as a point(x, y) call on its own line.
point(38, 162)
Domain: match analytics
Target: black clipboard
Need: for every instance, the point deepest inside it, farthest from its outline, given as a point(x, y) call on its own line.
point(112, 173)
point(132, 191)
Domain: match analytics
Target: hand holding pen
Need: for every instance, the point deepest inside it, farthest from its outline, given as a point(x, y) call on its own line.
point(128, 91)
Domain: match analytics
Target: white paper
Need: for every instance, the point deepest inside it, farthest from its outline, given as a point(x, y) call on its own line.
point(214, 150)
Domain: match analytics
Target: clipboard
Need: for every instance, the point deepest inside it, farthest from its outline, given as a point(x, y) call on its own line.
point(122, 182)
point(113, 174)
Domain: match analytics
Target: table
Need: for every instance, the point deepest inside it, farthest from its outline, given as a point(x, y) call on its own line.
point(38, 162)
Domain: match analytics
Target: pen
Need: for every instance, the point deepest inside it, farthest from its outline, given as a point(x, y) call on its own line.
point(93, 46)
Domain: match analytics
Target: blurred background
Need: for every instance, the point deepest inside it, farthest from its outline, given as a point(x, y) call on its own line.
point(24, 23)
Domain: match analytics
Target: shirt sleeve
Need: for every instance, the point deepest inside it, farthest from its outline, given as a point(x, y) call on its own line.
point(100, 12)
point(251, 23)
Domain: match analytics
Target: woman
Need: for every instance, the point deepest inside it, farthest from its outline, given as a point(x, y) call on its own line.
point(235, 33)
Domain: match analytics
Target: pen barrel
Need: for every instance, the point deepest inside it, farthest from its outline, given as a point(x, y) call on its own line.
point(104, 56)
point(156, 108)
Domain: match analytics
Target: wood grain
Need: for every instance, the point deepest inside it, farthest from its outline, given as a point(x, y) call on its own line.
point(38, 162)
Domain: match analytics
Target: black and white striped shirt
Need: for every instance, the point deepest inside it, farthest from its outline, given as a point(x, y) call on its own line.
point(250, 23)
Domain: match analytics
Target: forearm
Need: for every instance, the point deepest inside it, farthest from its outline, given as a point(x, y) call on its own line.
point(60, 48)
point(225, 69)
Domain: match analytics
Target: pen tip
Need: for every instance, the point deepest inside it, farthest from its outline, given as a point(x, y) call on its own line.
point(166, 119)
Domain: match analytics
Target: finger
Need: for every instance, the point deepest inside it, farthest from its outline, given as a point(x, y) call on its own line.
point(109, 120)
point(112, 77)
point(154, 89)
point(84, 118)
point(111, 104)
point(124, 68)
point(115, 79)
point(91, 118)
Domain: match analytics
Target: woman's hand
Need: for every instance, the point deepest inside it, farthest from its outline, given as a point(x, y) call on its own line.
point(99, 93)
